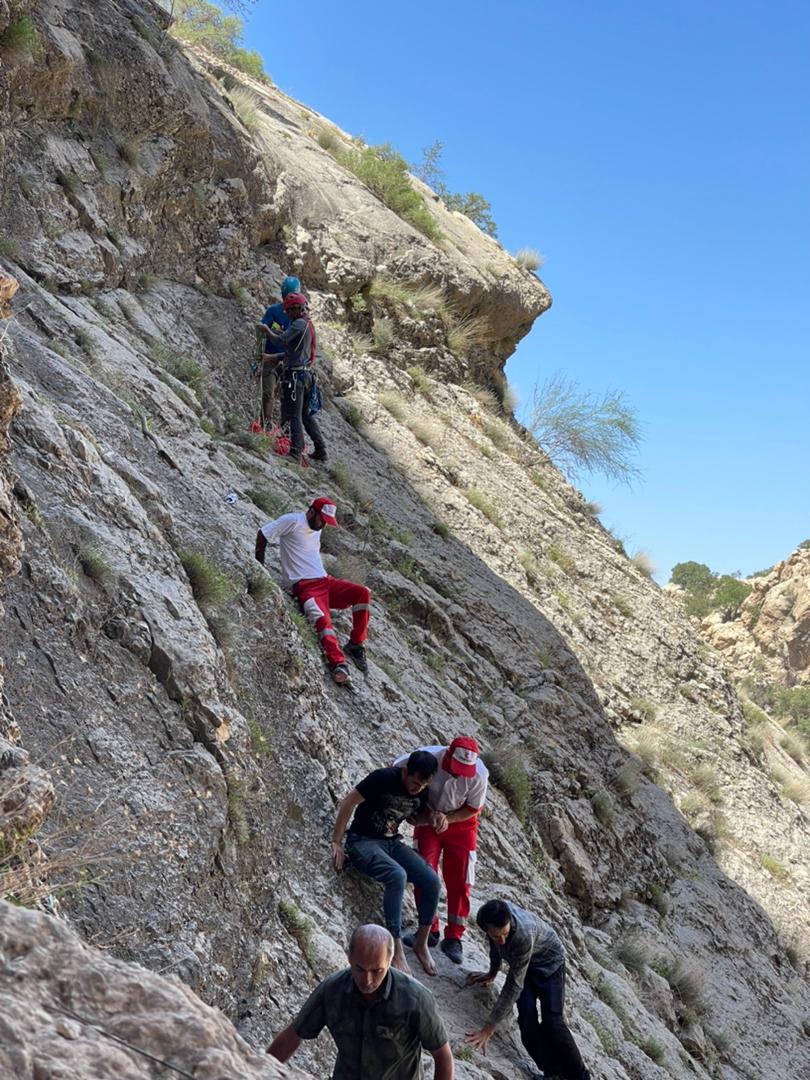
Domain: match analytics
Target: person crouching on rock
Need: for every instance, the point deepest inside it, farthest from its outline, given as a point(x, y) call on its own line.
point(299, 537)
point(297, 375)
point(536, 959)
point(380, 803)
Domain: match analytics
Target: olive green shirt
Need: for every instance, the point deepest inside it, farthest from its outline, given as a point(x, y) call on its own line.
point(380, 1041)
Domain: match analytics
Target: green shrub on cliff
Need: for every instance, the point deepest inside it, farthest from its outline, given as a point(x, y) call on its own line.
point(201, 23)
point(584, 433)
point(470, 203)
point(19, 38)
point(384, 171)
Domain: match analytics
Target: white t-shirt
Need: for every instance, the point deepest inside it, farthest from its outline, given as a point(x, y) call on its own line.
point(299, 546)
point(447, 792)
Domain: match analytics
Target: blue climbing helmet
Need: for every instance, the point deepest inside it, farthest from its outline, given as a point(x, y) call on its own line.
point(290, 284)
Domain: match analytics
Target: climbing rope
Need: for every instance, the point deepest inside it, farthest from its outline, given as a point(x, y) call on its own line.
point(118, 1039)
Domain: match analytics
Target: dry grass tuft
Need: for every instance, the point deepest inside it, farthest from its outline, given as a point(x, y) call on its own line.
point(529, 259)
point(466, 334)
point(644, 564)
point(427, 432)
point(246, 107)
point(394, 402)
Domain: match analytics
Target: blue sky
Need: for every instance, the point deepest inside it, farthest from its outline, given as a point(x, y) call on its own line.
point(658, 155)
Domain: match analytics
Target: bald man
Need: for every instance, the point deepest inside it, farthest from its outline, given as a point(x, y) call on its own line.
point(380, 1018)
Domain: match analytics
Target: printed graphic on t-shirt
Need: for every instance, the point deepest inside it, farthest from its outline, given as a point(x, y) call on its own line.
point(389, 813)
point(387, 803)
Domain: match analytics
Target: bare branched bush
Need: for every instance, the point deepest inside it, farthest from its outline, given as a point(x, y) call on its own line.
point(583, 432)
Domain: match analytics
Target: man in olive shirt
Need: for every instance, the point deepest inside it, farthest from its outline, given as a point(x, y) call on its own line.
point(380, 1018)
point(536, 959)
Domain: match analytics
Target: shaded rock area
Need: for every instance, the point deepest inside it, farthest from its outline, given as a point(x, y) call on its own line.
point(195, 745)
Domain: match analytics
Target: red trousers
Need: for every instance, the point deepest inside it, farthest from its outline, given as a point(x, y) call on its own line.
point(456, 848)
point(317, 595)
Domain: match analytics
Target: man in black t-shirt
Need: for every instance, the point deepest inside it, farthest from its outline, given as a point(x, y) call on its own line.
point(381, 802)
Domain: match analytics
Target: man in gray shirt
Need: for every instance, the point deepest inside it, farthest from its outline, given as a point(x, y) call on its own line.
point(536, 959)
point(380, 1018)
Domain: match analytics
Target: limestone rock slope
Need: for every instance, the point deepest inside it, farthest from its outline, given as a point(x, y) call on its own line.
point(195, 746)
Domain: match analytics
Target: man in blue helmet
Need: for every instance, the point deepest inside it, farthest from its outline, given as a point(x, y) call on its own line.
point(273, 351)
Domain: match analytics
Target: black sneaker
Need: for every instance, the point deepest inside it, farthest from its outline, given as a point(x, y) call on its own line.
point(318, 456)
point(358, 655)
point(451, 947)
point(410, 939)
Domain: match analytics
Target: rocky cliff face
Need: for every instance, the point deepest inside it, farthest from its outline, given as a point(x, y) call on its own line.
point(195, 745)
point(770, 638)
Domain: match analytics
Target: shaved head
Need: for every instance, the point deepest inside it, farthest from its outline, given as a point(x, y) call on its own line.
point(371, 950)
point(372, 936)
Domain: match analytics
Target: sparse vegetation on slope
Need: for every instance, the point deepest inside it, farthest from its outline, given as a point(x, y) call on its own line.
point(471, 203)
point(201, 23)
point(384, 171)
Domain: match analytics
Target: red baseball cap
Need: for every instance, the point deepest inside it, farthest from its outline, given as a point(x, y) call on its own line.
point(326, 508)
point(462, 756)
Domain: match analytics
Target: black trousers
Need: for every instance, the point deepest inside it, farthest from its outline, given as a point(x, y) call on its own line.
point(296, 386)
point(549, 1042)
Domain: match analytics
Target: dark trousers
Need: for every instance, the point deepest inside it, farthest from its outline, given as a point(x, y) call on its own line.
point(296, 386)
point(549, 1042)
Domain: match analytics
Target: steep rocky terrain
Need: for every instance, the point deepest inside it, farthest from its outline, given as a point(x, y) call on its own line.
point(195, 746)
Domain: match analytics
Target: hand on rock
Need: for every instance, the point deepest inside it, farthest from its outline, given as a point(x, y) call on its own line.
point(480, 978)
point(338, 856)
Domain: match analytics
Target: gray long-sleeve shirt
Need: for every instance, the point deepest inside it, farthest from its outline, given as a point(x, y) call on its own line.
point(530, 941)
point(297, 343)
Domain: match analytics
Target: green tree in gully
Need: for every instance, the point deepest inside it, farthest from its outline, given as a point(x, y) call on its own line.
point(706, 591)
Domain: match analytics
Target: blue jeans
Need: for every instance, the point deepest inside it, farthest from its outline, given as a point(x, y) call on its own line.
point(394, 864)
point(550, 1043)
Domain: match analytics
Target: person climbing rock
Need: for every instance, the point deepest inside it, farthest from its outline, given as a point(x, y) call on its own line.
point(456, 794)
point(297, 375)
point(380, 1019)
point(274, 316)
point(536, 959)
point(380, 803)
point(299, 537)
